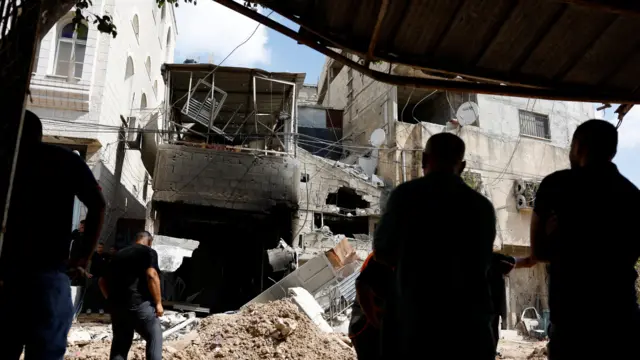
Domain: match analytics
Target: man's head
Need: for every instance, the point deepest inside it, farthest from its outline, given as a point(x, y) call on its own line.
point(594, 142)
point(31, 129)
point(444, 153)
point(144, 238)
point(81, 226)
point(113, 250)
point(100, 248)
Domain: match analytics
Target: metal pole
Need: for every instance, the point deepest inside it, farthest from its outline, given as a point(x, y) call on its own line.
point(294, 123)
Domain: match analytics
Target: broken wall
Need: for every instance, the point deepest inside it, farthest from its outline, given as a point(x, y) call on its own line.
point(223, 179)
point(322, 178)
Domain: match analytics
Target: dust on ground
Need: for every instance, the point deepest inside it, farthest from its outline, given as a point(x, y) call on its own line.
point(277, 330)
point(522, 350)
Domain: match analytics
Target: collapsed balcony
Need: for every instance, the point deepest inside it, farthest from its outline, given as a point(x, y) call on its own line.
point(230, 107)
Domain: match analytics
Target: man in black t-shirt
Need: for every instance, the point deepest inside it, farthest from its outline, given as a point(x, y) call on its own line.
point(425, 219)
point(36, 294)
point(592, 247)
point(132, 288)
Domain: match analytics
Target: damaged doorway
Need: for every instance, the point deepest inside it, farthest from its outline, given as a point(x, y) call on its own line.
point(230, 266)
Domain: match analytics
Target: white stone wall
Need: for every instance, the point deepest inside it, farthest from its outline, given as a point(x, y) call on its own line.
point(87, 110)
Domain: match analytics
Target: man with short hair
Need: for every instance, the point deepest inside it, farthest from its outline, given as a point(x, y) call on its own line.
point(132, 288)
point(99, 262)
point(437, 233)
point(36, 297)
point(591, 249)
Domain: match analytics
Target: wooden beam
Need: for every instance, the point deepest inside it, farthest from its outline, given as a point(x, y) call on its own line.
point(624, 7)
point(376, 31)
point(568, 93)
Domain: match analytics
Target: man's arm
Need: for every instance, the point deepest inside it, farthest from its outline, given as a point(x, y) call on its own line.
point(153, 280)
point(88, 191)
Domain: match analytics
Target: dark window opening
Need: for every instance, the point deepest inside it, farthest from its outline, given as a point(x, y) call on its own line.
point(347, 200)
point(304, 178)
point(348, 226)
point(317, 221)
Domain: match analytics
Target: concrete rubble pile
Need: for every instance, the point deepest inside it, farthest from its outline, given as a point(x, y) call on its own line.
point(276, 330)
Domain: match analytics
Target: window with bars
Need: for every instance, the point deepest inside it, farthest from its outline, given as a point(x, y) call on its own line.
point(536, 125)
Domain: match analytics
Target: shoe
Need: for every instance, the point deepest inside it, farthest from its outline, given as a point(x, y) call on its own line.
point(88, 311)
point(101, 311)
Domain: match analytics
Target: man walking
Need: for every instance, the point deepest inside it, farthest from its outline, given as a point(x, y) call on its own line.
point(36, 294)
point(132, 288)
point(99, 262)
point(584, 226)
point(437, 233)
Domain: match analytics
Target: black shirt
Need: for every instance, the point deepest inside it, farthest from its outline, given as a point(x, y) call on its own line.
point(99, 264)
point(593, 252)
point(126, 276)
point(438, 233)
point(47, 180)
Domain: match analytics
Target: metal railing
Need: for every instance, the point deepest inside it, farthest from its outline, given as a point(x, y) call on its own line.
point(532, 124)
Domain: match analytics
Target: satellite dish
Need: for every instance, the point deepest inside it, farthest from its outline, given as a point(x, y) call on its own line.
point(468, 113)
point(377, 137)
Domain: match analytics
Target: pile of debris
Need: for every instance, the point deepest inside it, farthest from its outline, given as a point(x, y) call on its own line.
point(277, 330)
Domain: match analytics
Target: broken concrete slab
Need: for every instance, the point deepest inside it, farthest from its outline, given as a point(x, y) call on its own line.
point(310, 307)
point(172, 250)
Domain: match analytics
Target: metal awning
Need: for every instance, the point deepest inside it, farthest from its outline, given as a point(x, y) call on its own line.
point(585, 50)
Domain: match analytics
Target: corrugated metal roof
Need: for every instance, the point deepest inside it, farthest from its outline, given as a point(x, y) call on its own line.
point(573, 50)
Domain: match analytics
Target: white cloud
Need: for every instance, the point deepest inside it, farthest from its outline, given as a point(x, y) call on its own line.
point(210, 28)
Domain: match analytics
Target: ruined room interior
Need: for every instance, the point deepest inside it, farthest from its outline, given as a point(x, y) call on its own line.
point(230, 266)
point(425, 105)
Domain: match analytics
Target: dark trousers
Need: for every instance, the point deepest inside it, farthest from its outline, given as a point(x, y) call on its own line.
point(142, 320)
point(36, 313)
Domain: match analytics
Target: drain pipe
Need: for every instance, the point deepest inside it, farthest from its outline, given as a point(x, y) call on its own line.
point(404, 167)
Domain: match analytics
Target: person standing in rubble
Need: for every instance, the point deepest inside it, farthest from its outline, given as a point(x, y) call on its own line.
point(36, 307)
point(583, 226)
point(437, 233)
point(132, 288)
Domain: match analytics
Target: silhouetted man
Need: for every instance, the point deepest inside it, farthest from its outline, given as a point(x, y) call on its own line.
point(591, 249)
point(36, 295)
point(438, 234)
point(132, 288)
point(99, 262)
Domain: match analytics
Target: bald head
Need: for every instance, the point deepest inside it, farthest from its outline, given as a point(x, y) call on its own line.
point(144, 238)
point(594, 142)
point(444, 153)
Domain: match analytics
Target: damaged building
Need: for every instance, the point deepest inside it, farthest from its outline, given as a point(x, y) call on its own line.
point(512, 143)
point(237, 198)
point(225, 175)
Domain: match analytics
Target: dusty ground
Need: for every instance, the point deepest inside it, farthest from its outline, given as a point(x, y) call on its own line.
point(277, 330)
point(522, 349)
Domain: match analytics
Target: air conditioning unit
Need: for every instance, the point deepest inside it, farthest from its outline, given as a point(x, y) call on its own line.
point(525, 193)
point(133, 135)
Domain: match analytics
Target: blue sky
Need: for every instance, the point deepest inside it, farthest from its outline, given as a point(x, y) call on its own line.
point(208, 32)
point(628, 157)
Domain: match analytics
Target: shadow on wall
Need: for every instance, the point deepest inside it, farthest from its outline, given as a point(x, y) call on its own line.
point(121, 204)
